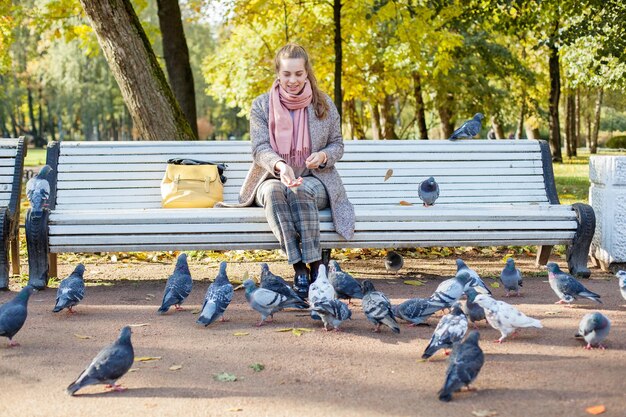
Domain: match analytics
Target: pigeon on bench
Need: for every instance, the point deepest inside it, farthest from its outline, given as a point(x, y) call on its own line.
point(469, 129)
point(428, 192)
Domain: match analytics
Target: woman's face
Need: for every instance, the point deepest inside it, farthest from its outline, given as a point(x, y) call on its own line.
point(291, 75)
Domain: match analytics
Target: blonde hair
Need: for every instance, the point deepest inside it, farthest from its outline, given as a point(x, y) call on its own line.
point(293, 50)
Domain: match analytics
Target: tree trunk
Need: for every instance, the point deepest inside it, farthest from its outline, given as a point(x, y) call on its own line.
point(577, 123)
point(444, 108)
point(356, 130)
point(519, 132)
point(50, 122)
point(31, 115)
point(150, 101)
point(338, 55)
point(596, 127)
point(176, 56)
point(555, 92)
point(420, 111)
point(569, 124)
point(375, 121)
point(496, 125)
point(588, 119)
point(388, 118)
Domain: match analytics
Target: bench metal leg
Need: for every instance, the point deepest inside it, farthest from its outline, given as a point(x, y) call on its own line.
point(38, 250)
point(578, 251)
point(5, 225)
point(543, 254)
point(15, 255)
point(326, 257)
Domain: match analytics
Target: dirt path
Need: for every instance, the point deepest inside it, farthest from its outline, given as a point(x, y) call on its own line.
point(355, 373)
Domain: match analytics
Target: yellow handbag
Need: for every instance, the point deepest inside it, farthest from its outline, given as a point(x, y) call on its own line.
point(192, 184)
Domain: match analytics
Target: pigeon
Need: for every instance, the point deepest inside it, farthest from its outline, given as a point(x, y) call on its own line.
point(377, 308)
point(38, 190)
point(393, 261)
point(566, 287)
point(473, 311)
point(594, 328)
point(428, 192)
point(511, 277)
point(217, 298)
point(504, 317)
point(13, 314)
point(345, 286)
point(275, 283)
point(108, 366)
point(450, 290)
point(71, 290)
point(333, 312)
point(320, 290)
point(451, 329)
point(268, 302)
point(475, 280)
point(466, 360)
point(178, 286)
point(416, 310)
point(622, 282)
point(469, 129)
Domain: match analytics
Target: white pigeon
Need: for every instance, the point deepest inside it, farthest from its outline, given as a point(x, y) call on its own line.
point(320, 290)
point(622, 282)
point(504, 317)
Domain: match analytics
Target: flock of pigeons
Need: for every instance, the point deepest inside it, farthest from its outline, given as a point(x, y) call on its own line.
point(323, 303)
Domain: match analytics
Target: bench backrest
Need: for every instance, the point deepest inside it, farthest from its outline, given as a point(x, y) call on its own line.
point(12, 153)
point(107, 175)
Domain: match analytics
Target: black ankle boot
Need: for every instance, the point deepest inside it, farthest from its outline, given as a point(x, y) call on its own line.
point(301, 280)
point(314, 268)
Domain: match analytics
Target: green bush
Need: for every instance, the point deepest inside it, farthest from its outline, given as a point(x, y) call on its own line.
point(616, 142)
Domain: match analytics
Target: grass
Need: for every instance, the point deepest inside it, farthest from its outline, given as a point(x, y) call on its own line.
point(35, 157)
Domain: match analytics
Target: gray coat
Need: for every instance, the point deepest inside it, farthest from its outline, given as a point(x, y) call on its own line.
point(325, 136)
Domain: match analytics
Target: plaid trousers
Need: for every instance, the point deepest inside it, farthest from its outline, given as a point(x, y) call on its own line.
point(293, 216)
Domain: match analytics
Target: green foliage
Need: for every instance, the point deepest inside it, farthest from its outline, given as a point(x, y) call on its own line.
point(616, 142)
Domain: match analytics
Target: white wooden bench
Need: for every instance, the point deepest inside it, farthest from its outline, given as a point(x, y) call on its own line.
point(12, 154)
point(106, 198)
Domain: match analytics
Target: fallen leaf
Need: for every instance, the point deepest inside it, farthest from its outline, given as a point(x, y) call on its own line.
point(113, 258)
point(134, 370)
point(405, 203)
point(175, 367)
point(139, 325)
point(151, 295)
point(551, 313)
point(596, 409)
point(196, 311)
point(415, 282)
point(235, 409)
point(257, 367)
point(225, 377)
point(304, 329)
point(388, 174)
point(296, 332)
point(241, 334)
point(82, 336)
point(245, 276)
point(495, 285)
point(484, 413)
point(284, 330)
point(148, 358)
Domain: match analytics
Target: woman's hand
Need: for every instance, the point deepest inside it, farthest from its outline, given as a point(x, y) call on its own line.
point(287, 175)
point(315, 160)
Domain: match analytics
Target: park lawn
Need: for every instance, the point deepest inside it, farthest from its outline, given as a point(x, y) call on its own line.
point(35, 157)
point(572, 179)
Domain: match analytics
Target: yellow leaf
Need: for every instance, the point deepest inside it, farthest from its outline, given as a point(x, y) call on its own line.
point(134, 370)
point(494, 285)
point(245, 276)
point(296, 332)
point(304, 329)
point(415, 282)
point(596, 409)
point(388, 174)
point(175, 367)
point(405, 203)
point(148, 358)
point(241, 334)
point(235, 409)
point(484, 413)
point(285, 329)
point(82, 336)
point(139, 325)
point(197, 311)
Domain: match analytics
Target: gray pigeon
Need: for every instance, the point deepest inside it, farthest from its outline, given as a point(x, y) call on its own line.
point(472, 310)
point(416, 310)
point(217, 298)
point(466, 360)
point(71, 290)
point(108, 366)
point(393, 261)
point(178, 286)
point(320, 290)
point(451, 329)
point(428, 192)
point(450, 290)
point(13, 314)
point(475, 280)
point(377, 308)
point(511, 277)
point(345, 286)
point(268, 302)
point(38, 190)
point(621, 275)
point(333, 312)
point(566, 287)
point(469, 129)
point(594, 328)
point(275, 283)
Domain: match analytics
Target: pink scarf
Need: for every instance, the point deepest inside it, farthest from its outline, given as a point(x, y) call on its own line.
point(290, 137)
